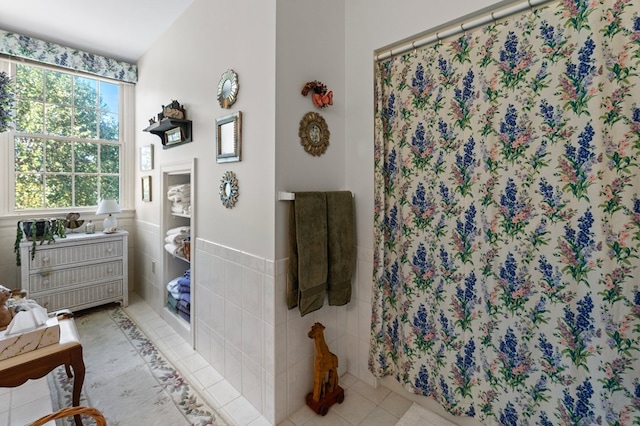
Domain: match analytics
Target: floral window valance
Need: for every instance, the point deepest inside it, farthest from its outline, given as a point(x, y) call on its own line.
point(21, 46)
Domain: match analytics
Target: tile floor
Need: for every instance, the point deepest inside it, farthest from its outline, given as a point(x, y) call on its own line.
point(363, 405)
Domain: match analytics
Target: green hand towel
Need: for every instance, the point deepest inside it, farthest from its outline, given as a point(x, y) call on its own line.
point(308, 259)
point(341, 245)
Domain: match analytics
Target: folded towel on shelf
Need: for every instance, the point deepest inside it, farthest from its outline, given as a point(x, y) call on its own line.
point(174, 249)
point(307, 275)
point(183, 188)
point(184, 315)
point(172, 302)
point(179, 193)
point(173, 288)
point(341, 246)
point(185, 230)
point(180, 208)
point(185, 298)
point(184, 287)
point(184, 309)
point(175, 239)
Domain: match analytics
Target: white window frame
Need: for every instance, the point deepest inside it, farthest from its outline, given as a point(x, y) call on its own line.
point(127, 154)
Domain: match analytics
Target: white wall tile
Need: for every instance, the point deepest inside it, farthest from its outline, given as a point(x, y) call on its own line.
point(203, 339)
point(233, 283)
point(299, 346)
point(252, 291)
point(233, 366)
point(281, 346)
point(365, 280)
point(252, 337)
point(233, 324)
point(202, 305)
point(280, 305)
point(269, 299)
point(299, 383)
point(217, 274)
point(269, 348)
point(252, 382)
point(281, 397)
point(269, 397)
point(217, 313)
point(217, 345)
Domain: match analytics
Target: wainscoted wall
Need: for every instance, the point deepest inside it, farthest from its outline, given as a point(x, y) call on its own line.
point(246, 332)
point(146, 273)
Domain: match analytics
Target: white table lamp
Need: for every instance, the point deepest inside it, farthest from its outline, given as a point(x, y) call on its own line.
point(109, 207)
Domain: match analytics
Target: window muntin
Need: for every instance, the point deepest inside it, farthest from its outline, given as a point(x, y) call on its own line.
point(67, 145)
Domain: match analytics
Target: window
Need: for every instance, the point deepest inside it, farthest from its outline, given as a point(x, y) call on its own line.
point(67, 145)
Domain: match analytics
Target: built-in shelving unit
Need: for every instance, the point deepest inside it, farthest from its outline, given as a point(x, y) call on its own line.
point(175, 265)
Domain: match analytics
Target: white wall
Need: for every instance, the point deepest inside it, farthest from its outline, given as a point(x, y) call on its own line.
point(185, 64)
point(275, 46)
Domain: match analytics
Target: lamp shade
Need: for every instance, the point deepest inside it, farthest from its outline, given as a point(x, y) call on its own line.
point(108, 207)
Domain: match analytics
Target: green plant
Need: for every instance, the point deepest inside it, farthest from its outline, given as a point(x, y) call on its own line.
point(37, 230)
point(7, 98)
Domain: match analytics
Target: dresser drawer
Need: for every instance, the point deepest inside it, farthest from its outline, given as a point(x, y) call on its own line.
point(49, 280)
point(91, 295)
point(51, 256)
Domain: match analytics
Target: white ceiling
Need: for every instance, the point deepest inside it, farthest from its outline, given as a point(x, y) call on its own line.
point(120, 29)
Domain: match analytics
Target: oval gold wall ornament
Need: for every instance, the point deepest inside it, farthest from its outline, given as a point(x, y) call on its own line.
point(228, 88)
point(314, 133)
point(229, 190)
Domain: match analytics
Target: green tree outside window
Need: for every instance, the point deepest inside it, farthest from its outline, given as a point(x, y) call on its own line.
point(67, 141)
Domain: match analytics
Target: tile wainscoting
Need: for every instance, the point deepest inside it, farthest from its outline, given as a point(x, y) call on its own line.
point(245, 331)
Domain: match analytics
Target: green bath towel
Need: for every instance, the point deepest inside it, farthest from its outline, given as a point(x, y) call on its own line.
point(341, 245)
point(307, 278)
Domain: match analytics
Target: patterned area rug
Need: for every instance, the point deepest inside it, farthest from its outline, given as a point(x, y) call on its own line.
point(127, 378)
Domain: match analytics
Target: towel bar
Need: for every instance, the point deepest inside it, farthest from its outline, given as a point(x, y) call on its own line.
point(290, 196)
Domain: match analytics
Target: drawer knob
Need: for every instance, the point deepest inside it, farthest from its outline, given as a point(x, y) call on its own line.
point(109, 249)
point(110, 270)
point(45, 281)
point(45, 259)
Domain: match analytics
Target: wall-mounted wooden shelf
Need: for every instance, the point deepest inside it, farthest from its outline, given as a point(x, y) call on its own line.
point(166, 130)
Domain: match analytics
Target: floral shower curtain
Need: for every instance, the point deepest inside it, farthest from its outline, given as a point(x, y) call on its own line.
point(507, 218)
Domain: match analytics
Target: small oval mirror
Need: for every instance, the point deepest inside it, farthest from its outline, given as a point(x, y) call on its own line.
point(228, 88)
point(228, 190)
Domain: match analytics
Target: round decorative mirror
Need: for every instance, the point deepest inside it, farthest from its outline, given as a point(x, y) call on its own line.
point(228, 88)
point(229, 190)
point(314, 133)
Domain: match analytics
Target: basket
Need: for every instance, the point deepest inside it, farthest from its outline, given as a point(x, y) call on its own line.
point(186, 248)
point(72, 411)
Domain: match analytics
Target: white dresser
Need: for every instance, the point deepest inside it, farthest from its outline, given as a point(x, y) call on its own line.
point(77, 272)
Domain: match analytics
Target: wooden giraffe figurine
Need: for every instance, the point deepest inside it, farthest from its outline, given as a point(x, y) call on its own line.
point(325, 381)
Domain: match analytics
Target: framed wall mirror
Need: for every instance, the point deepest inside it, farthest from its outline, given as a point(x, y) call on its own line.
point(229, 138)
point(314, 133)
point(228, 88)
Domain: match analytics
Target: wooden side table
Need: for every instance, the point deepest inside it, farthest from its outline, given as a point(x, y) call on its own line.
point(40, 362)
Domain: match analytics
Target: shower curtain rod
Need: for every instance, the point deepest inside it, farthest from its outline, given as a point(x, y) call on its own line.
point(457, 26)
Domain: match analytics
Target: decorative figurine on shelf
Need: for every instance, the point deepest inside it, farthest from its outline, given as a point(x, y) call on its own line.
point(73, 221)
point(90, 228)
point(326, 391)
point(173, 110)
point(320, 97)
point(152, 121)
